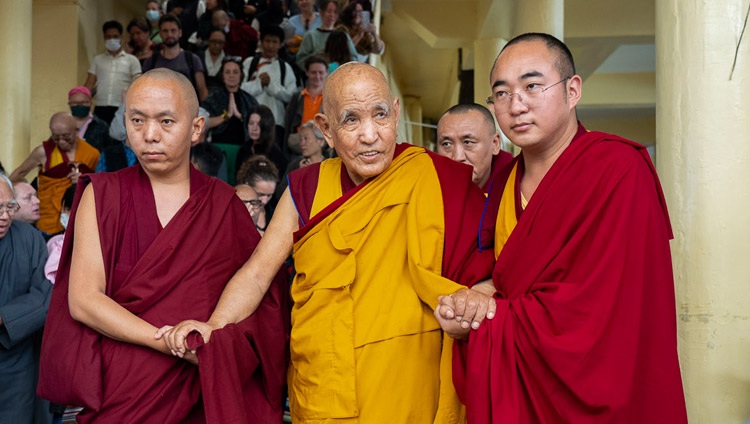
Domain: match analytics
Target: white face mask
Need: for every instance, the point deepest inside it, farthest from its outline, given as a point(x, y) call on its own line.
point(152, 15)
point(64, 217)
point(113, 44)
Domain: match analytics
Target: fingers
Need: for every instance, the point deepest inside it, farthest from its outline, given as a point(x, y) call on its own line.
point(162, 331)
point(446, 307)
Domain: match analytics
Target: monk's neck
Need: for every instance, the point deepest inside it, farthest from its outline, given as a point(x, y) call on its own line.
point(170, 193)
point(538, 161)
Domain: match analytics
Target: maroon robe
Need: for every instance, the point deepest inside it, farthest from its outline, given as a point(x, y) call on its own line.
point(164, 276)
point(499, 162)
point(585, 330)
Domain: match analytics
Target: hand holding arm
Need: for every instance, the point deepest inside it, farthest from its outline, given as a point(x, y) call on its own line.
point(246, 289)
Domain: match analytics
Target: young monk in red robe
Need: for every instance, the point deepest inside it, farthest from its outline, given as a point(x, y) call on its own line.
point(585, 326)
point(148, 246)
point(377, 235)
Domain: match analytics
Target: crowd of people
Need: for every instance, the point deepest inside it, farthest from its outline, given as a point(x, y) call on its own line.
point(360, 279)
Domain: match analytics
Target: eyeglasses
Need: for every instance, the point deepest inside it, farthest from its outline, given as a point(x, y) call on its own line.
point(235, 59)
point(253, 203)
point(531, 94)
point(10, 207)
point(66, 137)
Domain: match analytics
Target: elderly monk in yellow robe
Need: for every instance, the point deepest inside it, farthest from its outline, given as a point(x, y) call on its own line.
point(61, 160)
point(376, 235)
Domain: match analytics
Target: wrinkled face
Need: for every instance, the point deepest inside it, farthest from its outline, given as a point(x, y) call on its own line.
point(270, 45)
point(264, 189)
point(26, 198)
point(361, 124)
point(64, 134)
point(253, 127)
point(316, 75)
point(309, 144)
point(468, 138)
point(6, 196)
point(536, 123)
point(232, 74)
point(138, 36)
point(329, 15)
point(170, 33)
point(216, 42)
point(159, 125)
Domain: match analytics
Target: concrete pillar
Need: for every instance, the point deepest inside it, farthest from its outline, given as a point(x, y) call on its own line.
point(413, 107)
point(703, 157)
point(540, 16)
point(15, 81)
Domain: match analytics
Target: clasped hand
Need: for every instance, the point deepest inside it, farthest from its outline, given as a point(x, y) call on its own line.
point(176, 337)
point(463, 311)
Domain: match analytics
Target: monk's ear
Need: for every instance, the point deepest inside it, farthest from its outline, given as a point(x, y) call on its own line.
point(199, 124)
point(496, 144)
point(396, 108)
point(321, 121)
point(575, 86)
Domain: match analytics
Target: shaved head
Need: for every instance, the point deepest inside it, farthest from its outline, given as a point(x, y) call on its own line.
point(345, 75)
point(185, 86)
point(63, 120)
point(360, 119)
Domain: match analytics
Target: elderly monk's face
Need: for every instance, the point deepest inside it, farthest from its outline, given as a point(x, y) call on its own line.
point(468, 138)
point(533, 122)
point(360, 120)
point(64, 133)
point(159, 125)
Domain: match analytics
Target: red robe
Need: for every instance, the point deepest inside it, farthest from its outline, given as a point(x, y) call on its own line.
point(499, 162)
point(585, 329)
point(164, 276)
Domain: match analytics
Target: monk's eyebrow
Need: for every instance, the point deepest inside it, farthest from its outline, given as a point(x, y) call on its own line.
point(161, 114)
point(525, 76)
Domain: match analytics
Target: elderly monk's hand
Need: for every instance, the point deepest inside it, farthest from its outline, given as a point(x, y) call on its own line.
point(469, 307)
point(176, 337)
point(451, 327)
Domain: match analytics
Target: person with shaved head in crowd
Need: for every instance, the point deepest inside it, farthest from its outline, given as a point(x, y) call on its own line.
point(466, 133)
point(147, 246)
point(60, 160)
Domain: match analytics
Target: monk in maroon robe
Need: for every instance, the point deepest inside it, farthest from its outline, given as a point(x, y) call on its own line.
point(585, 325)
point(466, 133)
point(148, 246)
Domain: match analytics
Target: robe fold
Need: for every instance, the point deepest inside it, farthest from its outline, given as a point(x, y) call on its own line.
point(53, 181)
point(371, 261)
point(164, 276)
point(585, 330)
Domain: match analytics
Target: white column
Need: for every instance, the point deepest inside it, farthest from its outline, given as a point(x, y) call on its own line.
point(540, 16)
point(703, 157)
point(15, 81)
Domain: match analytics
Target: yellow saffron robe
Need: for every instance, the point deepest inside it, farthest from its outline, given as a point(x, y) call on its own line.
point(365, 346)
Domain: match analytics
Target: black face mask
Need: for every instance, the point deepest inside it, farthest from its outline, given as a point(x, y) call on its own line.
point(80, 111)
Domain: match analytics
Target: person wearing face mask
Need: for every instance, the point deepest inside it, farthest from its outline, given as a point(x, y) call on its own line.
point(111, 72)
point(90, 127)
point(153, 13)
point(54, 245)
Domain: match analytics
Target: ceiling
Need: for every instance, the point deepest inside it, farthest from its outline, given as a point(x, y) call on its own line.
point(612, 42)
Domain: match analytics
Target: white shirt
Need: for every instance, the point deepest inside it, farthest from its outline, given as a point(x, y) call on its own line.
point(113, 74)
point(212, 68)
point(276, 94)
